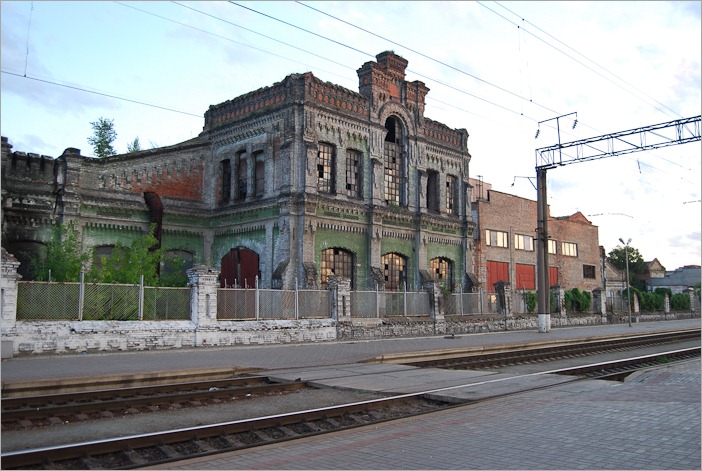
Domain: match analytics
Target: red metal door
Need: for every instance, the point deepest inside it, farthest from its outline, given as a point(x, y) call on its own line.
point(239, 268)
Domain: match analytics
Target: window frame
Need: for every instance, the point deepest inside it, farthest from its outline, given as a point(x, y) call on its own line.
point(394, 266)
point(326, 168)
point(519, 242)
point(590, 268)
point(569, 249)
point(451, 197)
point(354, 173)
point(499, 236)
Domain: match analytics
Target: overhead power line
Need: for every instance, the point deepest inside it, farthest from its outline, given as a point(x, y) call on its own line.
point(73, 87)
point(586, 58)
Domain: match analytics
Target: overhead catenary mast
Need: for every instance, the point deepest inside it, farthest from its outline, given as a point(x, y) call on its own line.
point(679, 131)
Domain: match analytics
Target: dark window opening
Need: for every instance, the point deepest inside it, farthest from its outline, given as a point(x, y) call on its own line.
point(589, 271)
point(353, 173)
point(433, 190)
point(226, 180)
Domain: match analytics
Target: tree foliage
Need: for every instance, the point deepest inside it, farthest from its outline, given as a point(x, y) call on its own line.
point(126, 264)
point(104, 135)
point(577, 301)
point(134, 146)
point(637, 265)
point(64, 258)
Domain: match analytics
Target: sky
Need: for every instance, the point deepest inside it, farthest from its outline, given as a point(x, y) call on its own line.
point(500, 70)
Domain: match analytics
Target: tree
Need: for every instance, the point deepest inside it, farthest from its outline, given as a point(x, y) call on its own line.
point(637, 265)
point(104, 135)
point(126, 264)
point(64, 256)
point(134, 146)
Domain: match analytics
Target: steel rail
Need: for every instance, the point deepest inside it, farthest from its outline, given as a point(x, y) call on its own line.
point(10, 414)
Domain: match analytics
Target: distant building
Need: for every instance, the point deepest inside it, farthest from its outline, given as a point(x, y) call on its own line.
point(678, 280)
point(654, 271)
point(291, 183)
point(506, 245)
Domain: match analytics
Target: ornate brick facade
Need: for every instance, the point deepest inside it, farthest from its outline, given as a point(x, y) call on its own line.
point(305, 179)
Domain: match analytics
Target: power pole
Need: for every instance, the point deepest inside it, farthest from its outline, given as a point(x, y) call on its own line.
point(679, 131)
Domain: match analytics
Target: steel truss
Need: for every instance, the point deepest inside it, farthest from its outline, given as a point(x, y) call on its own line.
point(679, 131)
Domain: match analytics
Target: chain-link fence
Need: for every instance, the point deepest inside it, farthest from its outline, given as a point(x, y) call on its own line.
point(314, 304)
point(100, 302)
point(364, 304)
point(47, 301)
point(236, 304)
point(462, 304)
point(260, 304)
point(166, 303)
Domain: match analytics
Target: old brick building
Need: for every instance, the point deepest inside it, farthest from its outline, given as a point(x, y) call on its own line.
point(297, 181)
point(505, 245)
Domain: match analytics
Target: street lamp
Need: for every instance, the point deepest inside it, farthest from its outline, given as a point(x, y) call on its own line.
point(628, 293)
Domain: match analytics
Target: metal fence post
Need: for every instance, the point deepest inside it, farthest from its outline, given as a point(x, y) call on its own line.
point(461, 298)
point(404, 300)
point(377, 301)
point(81, 296)
point(481, 299)
point(141, 297)
point(297, 301)
point(256, 297)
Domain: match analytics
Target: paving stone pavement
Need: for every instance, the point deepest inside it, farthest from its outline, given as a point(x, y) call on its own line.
point(651, 421)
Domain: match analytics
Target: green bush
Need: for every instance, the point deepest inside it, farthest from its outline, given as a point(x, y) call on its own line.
point(680, 302)
point(531, 301)
point(649, 302)
point(577, 301)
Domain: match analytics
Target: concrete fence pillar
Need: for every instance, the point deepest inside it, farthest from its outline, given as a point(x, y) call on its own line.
point(599, 301)
point(340, 289)
point(8, 285)
point(503, 290)
point(690, 291)
point(8, 299)
point(204, 282)
point(436, 299)
point(559, 300)
point(666, 303)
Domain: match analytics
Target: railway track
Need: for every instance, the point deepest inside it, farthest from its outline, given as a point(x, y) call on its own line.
point(174, 445)
point(469, 359)
point(41, 410)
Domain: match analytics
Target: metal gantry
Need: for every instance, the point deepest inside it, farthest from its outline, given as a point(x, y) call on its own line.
point(679, 131)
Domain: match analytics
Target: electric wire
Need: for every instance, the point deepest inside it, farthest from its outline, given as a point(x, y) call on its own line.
point(108, 95)
point(676, 114)
point(305, 51)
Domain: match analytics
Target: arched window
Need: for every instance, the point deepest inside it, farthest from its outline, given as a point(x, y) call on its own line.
point(394, 270)
point(394, 166)
point(441, 271)
point(337, 262)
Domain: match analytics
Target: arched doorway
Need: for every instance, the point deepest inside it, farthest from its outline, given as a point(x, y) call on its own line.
point(239, 268)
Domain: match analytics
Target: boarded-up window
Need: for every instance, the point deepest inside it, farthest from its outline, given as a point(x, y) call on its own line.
point(526, 278)
point(496, 271)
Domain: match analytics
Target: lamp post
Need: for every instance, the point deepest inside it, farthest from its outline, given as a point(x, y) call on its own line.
point(628, 291)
